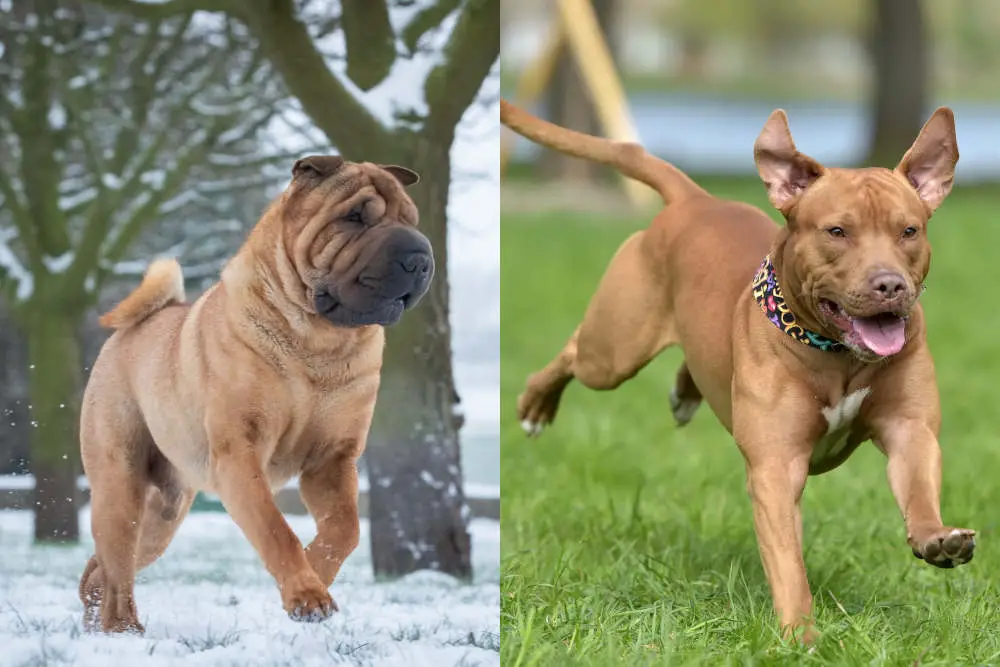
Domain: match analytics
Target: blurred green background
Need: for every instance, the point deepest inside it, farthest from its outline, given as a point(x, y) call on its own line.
point(628, 541)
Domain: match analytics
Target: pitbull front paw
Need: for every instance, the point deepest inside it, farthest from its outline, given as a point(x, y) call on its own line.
point(536, 408)
point(946, 547)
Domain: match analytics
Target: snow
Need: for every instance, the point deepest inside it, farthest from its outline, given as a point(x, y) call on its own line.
point(209, 601)
point(111, 181)
point(57, 116)
point(78, 198)
point(154, 178)
point(24, 482)
point(402, 91)
point(60, 263)
point(178, 201)
point(11, 265)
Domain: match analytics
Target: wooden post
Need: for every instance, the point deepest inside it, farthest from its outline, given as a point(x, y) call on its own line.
point(576, 26)
point(532, 82)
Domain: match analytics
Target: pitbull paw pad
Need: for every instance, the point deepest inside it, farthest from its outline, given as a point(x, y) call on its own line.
point(947, 548)
point(683, 408)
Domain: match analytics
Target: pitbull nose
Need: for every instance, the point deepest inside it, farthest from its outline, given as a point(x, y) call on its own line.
point(417, 262)
point(888, 286)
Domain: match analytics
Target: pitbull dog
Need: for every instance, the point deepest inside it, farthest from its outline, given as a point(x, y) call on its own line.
point(805, 340)
point(271, 373)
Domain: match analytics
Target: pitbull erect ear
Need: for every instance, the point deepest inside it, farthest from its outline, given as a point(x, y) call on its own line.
point(405, 176)
point(929, 165)
point(317, 165)
point(785, 171)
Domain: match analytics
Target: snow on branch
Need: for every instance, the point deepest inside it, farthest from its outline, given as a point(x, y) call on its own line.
point(11, 268)
point(139, 125)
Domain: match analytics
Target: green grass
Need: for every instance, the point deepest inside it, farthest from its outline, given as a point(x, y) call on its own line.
point(628, 541)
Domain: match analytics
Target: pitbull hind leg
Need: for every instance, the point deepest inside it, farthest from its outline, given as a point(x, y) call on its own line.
point(627, 323)
point(685, 397)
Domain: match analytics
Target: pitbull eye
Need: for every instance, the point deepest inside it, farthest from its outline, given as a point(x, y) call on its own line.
point(909, 232)
point(354, 215)
point(836, 232)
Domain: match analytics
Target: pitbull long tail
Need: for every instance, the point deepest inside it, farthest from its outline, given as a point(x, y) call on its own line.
point(162, 285)
point(631, 159)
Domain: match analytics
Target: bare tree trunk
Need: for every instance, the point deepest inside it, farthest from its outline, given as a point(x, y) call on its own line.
point(569, 105)
point(15, 448)
point(417, 503)
point(900, 56)
point(54, 372)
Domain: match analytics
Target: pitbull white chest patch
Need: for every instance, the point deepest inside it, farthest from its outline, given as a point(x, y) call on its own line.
point(839, 418)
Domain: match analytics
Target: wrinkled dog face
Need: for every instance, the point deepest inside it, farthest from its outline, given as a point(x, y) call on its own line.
point(350, 229)
point(857, 238)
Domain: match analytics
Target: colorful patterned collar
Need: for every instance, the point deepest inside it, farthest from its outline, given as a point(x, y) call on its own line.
point(767, 292)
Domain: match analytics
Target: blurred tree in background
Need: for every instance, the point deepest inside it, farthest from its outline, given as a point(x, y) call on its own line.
point(892, 59)
point(441, 51)
point(569, 104)
point(105, 127)
point(899, 52)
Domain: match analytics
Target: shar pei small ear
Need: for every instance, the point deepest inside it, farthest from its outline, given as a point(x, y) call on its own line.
point(405, 176)
point(319, 166)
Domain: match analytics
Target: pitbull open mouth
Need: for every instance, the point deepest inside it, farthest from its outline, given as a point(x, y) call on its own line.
point(882, 334)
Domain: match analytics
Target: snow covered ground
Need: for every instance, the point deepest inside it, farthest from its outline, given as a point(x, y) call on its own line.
point(210, 602)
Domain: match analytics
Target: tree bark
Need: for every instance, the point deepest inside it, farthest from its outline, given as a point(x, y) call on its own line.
point(569, 105)
point(899, 48)
point(54, 372)
point(416, 499)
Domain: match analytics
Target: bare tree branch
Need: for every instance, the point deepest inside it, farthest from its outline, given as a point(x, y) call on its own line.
point(40, 172)
point(162, 10)
point(326, 100)
point(427, 19)
point(371, 43)
point(21, 220)
point(288, 45)
point(120, 241)
point(110, 199)
point(452, 86)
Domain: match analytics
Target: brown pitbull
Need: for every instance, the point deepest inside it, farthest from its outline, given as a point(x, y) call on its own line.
point(805, 340)
point(271, 373)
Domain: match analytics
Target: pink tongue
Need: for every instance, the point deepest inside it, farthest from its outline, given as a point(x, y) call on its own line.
point(882, 334)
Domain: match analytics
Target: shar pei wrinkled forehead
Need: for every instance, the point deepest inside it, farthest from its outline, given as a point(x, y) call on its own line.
point(350, 232)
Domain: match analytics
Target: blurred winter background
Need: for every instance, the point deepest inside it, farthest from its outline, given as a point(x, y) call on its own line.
point(133, 129)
